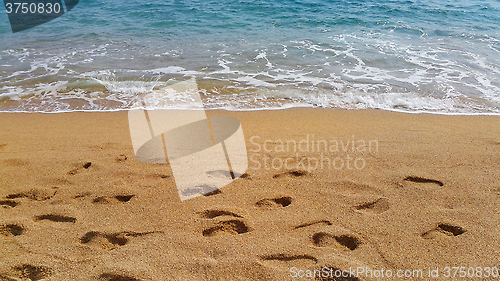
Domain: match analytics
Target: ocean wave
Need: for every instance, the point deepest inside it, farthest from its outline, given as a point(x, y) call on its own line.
point(415, 56)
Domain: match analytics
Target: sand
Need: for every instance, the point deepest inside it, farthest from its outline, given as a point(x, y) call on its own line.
point(422, 193)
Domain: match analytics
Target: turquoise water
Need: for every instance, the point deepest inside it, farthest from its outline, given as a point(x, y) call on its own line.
point(415, 56)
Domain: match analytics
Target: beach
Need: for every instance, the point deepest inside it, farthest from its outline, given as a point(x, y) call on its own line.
point(370, 192)
point(250, 140)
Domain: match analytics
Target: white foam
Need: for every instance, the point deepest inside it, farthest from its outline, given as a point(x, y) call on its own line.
point(11, 93)
point(255, 82)
point(130, 88)
point(345, 71)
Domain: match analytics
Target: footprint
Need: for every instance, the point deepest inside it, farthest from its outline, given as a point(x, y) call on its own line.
point(35, 194)
point(158, 175)
point(281, 201)
point(288, 260)
point(103, 240)
point(285, 257)
point(443, 230)
point(10, 230)
point(215, 192)
point(322, 239)
point(321, 222)
point(31, 272)
point(116, 277)
point(245, 176)
point(451, 229)
point(121, 158)
point(205, 190)
point(109, 241)
point(378, 206)
point(124, 198)
point(85, 165)
point(113, 200)
point(8, 203)
point(210, 214)
point(422, 180)
point(293, 173)
point(335, 274)
point(232, 227)
point(56, 218)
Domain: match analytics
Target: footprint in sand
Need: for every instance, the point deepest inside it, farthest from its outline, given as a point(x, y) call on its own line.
point(35, 194)
point(245, 176)
point(415, 179)
point(10, 230)
point(109, 241)
point(377, 206)
point(288, 261)
point(158, 175)
point(210, 214)
point(85, 166)
point(27, 271)
point(103, 240)
point(341, 242)
point(275, 202)
point(8, 203)
point(121, 158)
point(55, 218)
point(293, 173)
point(443, 230)
point(204, 189)
point(215, 192)
point(232, 227)
point(113, 199)
point(314, 223)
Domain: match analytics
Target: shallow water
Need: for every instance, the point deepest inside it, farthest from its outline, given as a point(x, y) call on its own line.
point(415, 56)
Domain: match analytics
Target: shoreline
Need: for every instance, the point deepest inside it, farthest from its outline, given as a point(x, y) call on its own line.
point(266, 109)
point(75, 201)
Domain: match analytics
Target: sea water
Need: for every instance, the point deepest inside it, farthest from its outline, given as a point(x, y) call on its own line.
point(433, 56)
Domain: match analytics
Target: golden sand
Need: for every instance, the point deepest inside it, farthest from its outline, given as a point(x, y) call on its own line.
point(414, 192)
